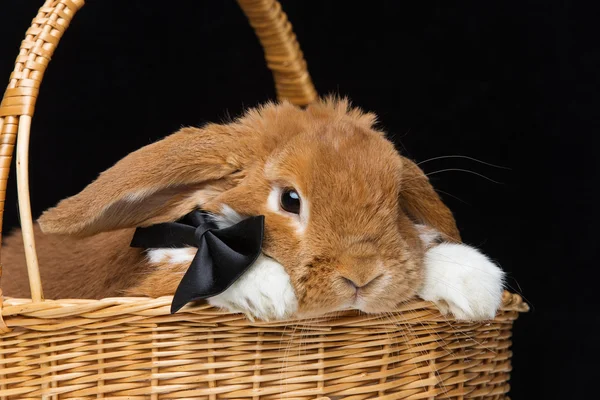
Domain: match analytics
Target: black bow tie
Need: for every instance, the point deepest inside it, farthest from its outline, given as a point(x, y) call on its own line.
point(223, 254)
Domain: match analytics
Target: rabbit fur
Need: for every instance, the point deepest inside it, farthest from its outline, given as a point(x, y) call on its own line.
point(371, 231)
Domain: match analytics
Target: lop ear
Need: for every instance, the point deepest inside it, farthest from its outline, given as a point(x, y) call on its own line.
point(422, 204)
point(157, 183)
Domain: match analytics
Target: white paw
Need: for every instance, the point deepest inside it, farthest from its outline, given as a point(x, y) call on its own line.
point(462, 281)
point(264, 292)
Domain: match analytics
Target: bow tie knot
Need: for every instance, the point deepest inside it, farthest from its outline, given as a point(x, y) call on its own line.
point(200, 231)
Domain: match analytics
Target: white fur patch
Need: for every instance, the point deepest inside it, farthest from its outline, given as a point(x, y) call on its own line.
point(273, 199)
point(227, 218)
point(264, 291)
point(172, 256)
point(428, 235)
point(462, 281)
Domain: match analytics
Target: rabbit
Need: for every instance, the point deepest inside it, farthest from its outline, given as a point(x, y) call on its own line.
point(349, 222)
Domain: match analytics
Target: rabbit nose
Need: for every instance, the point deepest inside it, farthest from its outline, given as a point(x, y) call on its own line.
point(359, 283)
point(359, 270)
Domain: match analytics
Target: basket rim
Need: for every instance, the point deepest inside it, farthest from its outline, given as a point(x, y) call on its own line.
point(101, 308)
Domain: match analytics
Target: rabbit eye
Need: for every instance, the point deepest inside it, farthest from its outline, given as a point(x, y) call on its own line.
point(290, 201)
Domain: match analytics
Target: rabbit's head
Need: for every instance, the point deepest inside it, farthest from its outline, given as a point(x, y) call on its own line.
point(341, 205)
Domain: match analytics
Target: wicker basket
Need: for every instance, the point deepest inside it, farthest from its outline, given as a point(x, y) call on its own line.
point(132, 348)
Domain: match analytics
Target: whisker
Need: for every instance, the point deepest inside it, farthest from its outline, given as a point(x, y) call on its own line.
point(453, 196)
point(448, 285)
point(466, 157)
point(449, 260)
point(419, 346)
point(286, 352)
point(518, 290)
point(464, 170)
point(450, 323)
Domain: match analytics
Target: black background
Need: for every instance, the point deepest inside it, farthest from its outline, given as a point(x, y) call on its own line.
point(512, 83)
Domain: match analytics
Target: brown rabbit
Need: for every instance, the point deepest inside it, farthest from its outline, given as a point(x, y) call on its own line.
point(349, 223)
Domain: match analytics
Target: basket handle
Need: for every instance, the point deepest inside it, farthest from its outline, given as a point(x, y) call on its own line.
point(282, 53)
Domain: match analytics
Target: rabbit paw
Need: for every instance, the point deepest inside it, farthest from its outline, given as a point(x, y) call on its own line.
point(462, 281)
point(264, 292)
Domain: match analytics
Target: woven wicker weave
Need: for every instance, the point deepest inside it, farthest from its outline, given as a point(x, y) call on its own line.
point(132, 348)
